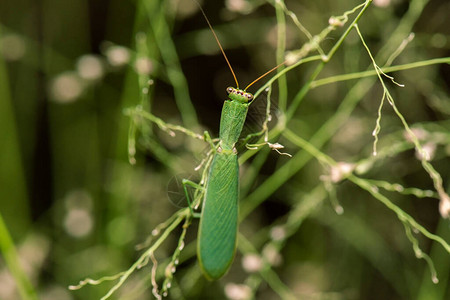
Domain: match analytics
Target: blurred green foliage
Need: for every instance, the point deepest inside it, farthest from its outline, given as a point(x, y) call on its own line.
point(75, 207)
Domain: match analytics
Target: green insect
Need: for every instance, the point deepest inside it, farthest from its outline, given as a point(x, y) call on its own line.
point(219, 216)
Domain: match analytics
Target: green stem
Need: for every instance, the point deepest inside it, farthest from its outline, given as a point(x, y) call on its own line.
point(8, 249)
point(403, 216)
point(368, 73)
point(266, 272)
point(169, 54)
point(329, 128)
point(281, 49)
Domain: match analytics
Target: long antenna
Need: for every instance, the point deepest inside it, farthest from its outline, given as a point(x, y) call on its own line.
point(271, 70)
point(220, 46)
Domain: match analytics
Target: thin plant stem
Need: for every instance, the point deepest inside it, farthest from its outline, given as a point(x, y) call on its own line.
point(8, 249)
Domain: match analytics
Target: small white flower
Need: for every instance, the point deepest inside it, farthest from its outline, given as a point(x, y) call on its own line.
point(341, 171)
point(444, 206)
point(237, 291)
point(272, 255)
point(382, 3)
point(66, 87)
point(118, 56)
point(90, 67)
point(252, 263)
point(12, 47)
point(143, 66)
point(278, 233)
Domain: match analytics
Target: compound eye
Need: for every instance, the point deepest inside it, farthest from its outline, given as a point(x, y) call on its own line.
point(248, 96)
point(229, 90)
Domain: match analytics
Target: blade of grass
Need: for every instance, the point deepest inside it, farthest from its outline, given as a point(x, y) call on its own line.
point(9, 252)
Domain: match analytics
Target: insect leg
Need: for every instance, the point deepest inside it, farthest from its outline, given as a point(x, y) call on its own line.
point(186, 183)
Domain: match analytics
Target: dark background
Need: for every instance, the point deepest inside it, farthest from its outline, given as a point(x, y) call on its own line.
point(75, 208)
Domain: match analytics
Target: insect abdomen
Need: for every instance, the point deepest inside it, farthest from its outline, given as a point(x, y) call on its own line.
point(218, 223)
